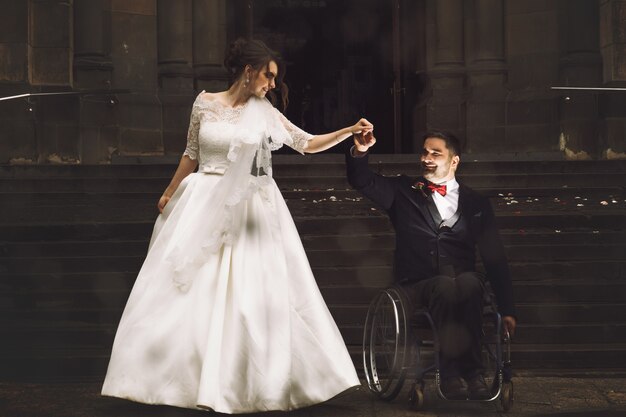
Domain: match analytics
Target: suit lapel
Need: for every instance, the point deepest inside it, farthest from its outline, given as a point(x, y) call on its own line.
point(422, 202)
point(433, 210)
point(467, 207)
point(464, 199)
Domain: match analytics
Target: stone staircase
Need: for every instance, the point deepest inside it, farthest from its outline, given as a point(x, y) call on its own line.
point(72, 239)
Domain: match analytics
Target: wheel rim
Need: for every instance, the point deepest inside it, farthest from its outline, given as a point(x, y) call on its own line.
point(384, 344)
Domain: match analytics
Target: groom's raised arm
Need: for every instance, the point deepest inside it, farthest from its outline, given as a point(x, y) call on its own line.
point(379, 189)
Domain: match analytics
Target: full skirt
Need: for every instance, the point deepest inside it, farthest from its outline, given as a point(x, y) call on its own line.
point(251, 333)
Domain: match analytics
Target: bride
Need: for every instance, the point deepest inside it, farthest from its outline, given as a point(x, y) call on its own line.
point(225, 314)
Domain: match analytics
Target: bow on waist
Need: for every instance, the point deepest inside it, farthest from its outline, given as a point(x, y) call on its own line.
point(212, 170)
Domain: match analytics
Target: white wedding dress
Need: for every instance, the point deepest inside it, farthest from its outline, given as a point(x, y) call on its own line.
point(239, 328)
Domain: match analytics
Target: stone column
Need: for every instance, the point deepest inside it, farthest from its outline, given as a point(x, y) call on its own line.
point(487, 78)
point(580, 65)
point(449, 53)
point(134, 51)
point(50, 64)
point(488, 66)
point(446, 109)
point(209, 44)
point(175, 39)
point(17, 135)
point(93, 69)
point(50, 46)
point(175, 72)
point(613, 39)
point(613, 50)
point(92, 65)
point(14, 42)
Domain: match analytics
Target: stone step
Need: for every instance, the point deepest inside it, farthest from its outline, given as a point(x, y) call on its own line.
point(85, 364)
point(309, 219)
point(537, 261)
point(332, 164)
point(76, 274)
point(565, 334)
point(608, 271)
point(555, 292)
point(70, 198)
point(344, 315)
point(20, 335)
point(511, 238)
point(590, 355)
point(321, 252)
point(93, 209)
point(556, 357)
point(565, 244)
point(529, 313)
point(318, 181)
point(371, 222)
point(55, 366)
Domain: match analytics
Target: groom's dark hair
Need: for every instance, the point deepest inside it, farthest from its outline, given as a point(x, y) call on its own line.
point(452, 142)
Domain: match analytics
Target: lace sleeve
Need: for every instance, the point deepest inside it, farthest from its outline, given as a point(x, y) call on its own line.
point(192, 148)
point(299, 137)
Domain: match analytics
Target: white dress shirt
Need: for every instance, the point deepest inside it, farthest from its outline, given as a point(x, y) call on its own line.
point(448, 204)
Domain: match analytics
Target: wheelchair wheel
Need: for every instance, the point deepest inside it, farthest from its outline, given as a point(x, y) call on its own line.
point(385, 344)
point(496, 356)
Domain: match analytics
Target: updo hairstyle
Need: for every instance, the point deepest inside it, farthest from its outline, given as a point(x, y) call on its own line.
point(258, 55)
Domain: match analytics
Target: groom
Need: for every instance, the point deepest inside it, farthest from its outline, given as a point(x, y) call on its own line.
point(439, 222)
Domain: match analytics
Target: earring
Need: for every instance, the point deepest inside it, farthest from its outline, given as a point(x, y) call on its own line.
point(245, 84)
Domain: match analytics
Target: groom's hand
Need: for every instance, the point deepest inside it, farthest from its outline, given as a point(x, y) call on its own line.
point(363, 141)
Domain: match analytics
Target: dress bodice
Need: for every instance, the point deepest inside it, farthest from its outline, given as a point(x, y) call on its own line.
point(212, 127)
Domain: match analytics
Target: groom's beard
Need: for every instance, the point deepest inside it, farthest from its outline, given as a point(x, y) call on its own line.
point(437, 173)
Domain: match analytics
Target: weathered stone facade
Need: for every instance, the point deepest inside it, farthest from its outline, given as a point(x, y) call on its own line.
point(481, 68)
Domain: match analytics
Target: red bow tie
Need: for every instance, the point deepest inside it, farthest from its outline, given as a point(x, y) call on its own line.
point(441, 189)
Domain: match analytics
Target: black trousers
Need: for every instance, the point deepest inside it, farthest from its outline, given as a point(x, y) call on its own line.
point(456, 306)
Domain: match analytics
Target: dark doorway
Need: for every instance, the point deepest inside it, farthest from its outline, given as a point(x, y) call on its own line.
point(340, 61)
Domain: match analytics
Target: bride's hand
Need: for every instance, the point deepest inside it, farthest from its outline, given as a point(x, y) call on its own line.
point(163, 202)
point(362, 126)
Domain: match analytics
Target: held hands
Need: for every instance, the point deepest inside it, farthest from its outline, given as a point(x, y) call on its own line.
point(364, 140)
point(362, 126)
point(363, 132)
point(163, 202)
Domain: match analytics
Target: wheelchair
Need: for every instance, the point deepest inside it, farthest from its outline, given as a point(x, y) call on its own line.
point(399, 344)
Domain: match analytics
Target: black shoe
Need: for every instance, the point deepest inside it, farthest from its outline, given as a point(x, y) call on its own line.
point(453, 388)
point(477, 388)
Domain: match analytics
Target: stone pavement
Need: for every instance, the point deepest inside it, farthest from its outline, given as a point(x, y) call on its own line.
point(534, 396)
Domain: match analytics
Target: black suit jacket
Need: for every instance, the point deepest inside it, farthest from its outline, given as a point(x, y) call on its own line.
point(425, 248)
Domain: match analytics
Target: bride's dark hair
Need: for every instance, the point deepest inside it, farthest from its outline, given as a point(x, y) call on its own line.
point(258, 55)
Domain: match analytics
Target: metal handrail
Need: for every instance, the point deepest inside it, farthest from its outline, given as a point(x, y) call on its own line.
point(590, 88)
point(67, 93)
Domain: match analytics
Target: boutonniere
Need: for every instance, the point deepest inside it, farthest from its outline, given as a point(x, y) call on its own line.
point(421, 187)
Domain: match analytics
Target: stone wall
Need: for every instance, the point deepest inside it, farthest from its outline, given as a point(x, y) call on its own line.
point(160, 51)
point(490, 66)
point(613, 49)
point(484, 70)
point(17, 132)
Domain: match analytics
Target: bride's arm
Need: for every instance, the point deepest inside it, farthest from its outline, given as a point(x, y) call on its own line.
point(185, 167)
point(304, 142)
point(319, 143)
point(189, 160)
